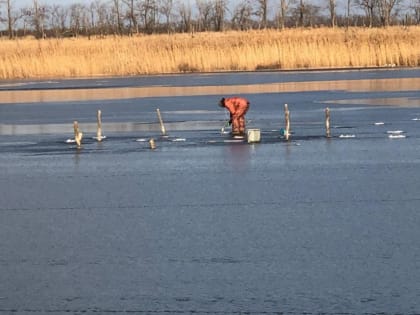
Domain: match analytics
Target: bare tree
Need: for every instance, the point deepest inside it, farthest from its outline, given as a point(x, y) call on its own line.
point(92, 17)
point(205, 13)
point(39, 14)
point(185, 13)
point(242, 15)
point(165, 8)
point(26, 14)
point(148, 14)
point(348, 13)
point(76, 18)
point(86, 22)
point(282, 13)
point(385, 8)
point(261, 12)
point(9, 18)
point(332, 10)
point(131, 15)
point(117, 16)
point(369, 6)
point(415, 7)
point(301, 10)
point(99, 17)
point(304, 14)
point(58, 19)
point(220, 7)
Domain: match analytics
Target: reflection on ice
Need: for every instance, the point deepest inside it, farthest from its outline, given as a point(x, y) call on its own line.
point(57, 95)
point(396, 101)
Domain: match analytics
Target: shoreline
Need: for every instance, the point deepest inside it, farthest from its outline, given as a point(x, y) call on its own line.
point(118, 93)
point(9, 82)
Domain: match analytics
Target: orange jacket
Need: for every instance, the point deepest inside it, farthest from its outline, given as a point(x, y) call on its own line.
point(237, 106)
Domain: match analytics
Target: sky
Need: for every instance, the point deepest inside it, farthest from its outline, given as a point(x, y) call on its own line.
point(28, 3)
point(24, 3)
point(341, 4)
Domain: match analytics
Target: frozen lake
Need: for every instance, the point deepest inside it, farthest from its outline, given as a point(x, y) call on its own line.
point(202, 225)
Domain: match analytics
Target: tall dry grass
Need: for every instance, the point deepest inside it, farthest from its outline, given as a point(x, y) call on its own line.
point(205, 52)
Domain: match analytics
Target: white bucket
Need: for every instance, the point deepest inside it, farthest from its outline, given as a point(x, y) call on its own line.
point(253, 135)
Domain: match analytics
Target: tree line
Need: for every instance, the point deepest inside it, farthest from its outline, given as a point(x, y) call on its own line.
point(128, 17)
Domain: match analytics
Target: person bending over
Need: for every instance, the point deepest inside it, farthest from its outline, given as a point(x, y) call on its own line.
point(237, 107)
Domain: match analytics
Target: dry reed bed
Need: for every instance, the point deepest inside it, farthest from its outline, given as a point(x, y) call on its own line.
point(205, 52)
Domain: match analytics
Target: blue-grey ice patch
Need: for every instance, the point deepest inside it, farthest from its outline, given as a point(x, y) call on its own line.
point(17, 143)
point(192, 112)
